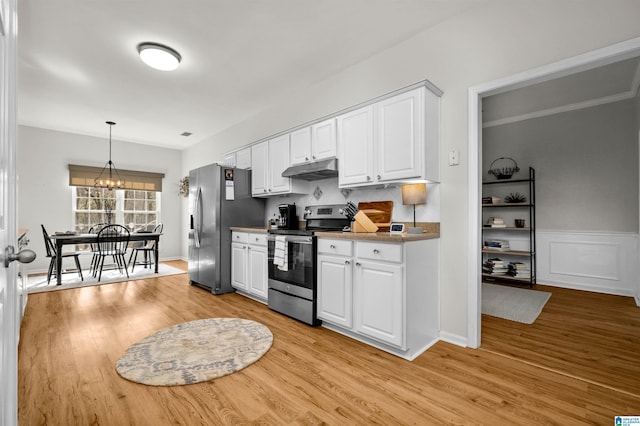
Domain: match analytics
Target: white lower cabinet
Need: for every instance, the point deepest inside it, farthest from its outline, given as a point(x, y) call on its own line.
point(249, 264)
point(379, 301)
point(385, 294)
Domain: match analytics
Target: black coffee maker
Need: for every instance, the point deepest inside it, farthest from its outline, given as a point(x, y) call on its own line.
point(288, 217)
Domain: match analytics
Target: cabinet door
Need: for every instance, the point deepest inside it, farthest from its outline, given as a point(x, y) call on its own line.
point(335, 292)
point(239, 265)
point(257, 268)
point(230, 159)
point(259, 166)
point(355, 147)
point(323, 136)
point(400, 136)
point(243, 158)
point(300, 146)
point(379, 301)
point(278, 162)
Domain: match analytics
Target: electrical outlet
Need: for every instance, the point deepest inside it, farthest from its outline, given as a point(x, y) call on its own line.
point(454, 157)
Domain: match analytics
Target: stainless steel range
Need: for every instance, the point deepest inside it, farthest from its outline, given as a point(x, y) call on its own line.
point(292, 262)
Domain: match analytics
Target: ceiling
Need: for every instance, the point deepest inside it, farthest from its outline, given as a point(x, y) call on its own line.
point(78, 65)
point(609, 83)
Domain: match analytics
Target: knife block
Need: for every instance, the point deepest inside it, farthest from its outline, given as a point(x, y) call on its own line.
point(362, 223)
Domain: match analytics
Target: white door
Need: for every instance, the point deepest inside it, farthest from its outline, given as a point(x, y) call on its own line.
point(9, 324)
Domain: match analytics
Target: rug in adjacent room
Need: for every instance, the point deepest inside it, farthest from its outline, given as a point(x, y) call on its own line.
point(38, 283)
point(512, 303)
point(195, 351)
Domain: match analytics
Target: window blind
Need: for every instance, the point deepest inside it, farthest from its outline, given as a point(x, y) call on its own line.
point(86, 175)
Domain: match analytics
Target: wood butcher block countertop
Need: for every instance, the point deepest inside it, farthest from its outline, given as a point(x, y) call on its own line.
point(432, 230)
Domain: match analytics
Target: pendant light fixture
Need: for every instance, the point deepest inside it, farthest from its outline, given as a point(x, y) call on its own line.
point(159, 56)
point(109, 178)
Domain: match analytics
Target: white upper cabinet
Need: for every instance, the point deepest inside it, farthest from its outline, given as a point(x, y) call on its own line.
point(240, 159)
point(259, 167)
point(391, 140)
point(268, 160)
point(243, 158)
point(323, 139)
point(278, 163)
point(314, 143)
point(355, 147)
point(400, 136)
point(301, 145)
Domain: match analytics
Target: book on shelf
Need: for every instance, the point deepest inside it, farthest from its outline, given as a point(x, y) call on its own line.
point(495, 266)
point(496, 222)
point(491, 199)
point(499, 245)
point(519, 270)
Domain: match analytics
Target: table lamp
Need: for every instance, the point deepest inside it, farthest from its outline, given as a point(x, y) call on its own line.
point(412, 194)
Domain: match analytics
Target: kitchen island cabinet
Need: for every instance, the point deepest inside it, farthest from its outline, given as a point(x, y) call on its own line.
point(382, 293)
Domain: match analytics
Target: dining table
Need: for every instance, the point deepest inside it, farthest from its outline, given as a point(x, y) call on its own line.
point(68, 238)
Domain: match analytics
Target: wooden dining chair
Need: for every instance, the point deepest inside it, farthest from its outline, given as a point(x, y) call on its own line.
point(148, 249)
point(93, 246)
point(113, 241)
point(53, 254)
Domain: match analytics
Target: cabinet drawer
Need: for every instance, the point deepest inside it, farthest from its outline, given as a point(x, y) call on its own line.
point(336, 247)
point(258, 239)
point(239, 237)
point(379, 251)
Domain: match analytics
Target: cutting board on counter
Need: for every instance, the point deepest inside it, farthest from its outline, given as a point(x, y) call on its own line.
point(379, 212)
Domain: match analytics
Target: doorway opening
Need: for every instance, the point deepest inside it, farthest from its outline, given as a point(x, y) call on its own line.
point(608, 55)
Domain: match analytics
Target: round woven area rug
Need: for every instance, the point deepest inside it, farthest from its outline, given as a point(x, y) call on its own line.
point(195, 351)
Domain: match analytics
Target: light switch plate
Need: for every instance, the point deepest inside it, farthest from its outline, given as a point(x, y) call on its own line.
point(454, 157)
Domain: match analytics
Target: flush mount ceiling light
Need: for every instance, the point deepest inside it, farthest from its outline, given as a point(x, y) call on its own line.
point(158, 56)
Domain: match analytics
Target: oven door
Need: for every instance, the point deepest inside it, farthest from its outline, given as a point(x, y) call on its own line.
point(300, 262)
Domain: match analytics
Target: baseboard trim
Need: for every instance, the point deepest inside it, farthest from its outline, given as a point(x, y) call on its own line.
point(454, 339)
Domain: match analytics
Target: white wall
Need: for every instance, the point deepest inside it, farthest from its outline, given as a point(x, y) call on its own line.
point(493, 41)
point(586, 164)
point(44, 195)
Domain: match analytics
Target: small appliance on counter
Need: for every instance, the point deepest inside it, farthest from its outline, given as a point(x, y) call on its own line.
point(288, 216)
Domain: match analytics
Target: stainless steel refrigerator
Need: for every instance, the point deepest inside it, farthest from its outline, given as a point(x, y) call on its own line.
point(219, 197)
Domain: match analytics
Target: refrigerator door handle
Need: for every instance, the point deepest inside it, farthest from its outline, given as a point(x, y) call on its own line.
point(198, 211)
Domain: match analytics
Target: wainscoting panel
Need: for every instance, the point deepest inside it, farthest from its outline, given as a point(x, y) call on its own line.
point(592, 261)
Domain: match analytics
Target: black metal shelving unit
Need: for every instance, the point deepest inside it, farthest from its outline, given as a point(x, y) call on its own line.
point(513, 254)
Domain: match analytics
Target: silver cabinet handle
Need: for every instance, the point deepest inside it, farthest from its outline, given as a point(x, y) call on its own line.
point(376, 251)
point(332, 246)
point(306, 158)
point(368, 177)
point(314, 157)
point(257, 239)
point(379, 177)
point(357, 263)
point(346, 262)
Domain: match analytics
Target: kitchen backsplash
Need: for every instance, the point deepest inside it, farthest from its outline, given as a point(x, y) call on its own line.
point(331, 194)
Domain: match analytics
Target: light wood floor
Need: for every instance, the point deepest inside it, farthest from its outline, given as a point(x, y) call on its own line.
point(575, 365)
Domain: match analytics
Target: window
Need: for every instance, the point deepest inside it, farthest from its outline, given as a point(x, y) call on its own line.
point(131, 208)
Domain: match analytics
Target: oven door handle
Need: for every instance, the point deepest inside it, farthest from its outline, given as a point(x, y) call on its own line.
point(297, 239)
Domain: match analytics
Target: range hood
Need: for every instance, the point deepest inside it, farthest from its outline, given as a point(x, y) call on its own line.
point(315, 170)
